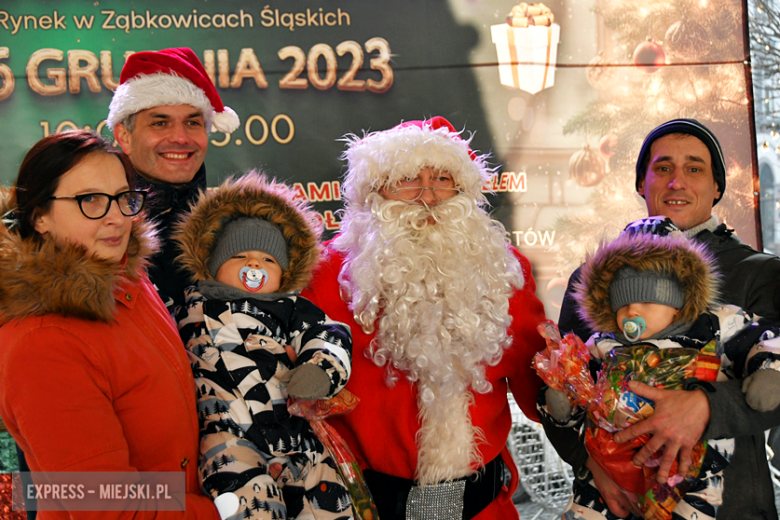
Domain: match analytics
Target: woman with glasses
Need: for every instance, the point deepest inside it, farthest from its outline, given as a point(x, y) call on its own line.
point(93, 375)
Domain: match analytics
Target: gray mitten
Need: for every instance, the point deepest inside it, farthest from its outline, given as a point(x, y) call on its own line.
point(558, 404)
point(308, 382)
point(762, 390)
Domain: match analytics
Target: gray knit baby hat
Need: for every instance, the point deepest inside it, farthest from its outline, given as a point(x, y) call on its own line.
point(248, 234)
point(632, 286)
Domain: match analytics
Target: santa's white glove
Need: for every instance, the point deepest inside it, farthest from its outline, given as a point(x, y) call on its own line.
point(558, 404)
point(308, 381)
point(762, 390)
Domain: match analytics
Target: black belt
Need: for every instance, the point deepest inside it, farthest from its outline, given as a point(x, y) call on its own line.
point(390, 493)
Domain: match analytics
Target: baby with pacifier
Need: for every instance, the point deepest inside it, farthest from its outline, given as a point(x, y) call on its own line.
point(651, 295)
point(250, 246)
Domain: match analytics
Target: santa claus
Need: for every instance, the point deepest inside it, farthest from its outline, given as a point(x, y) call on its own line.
point(443, 316)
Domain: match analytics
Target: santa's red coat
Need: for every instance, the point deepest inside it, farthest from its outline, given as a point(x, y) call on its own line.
point(381, 431)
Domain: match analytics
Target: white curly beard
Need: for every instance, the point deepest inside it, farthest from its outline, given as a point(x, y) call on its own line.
point(439, 295)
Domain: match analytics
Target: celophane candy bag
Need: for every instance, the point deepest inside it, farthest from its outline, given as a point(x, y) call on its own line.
point(563, 364)
point(617, 407)
point(611, 407)
point(316, 412)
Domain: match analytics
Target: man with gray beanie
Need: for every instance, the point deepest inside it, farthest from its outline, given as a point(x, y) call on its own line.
point(681, 174)
point(250, 247)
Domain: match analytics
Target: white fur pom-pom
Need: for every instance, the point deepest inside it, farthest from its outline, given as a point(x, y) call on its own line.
point(226, 121)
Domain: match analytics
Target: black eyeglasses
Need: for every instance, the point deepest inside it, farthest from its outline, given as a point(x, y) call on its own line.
point(96, 205)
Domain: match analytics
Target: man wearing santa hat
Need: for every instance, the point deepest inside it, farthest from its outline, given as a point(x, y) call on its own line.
point(443, 316)
point(161, 115)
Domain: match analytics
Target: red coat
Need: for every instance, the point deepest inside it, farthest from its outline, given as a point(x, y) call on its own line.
point(381, 430)
point(93, 375)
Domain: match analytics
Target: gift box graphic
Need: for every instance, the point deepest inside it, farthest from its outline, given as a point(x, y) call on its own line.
point(527, 48)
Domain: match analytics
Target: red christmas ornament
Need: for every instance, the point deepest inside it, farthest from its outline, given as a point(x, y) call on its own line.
point(649, 56)
point(587, 167)
point(607, 145)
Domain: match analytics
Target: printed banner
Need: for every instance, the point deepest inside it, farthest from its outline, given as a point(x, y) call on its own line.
point(561, 94)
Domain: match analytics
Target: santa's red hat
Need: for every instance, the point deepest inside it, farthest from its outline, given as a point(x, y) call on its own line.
point(168, 77)
point(381, 159)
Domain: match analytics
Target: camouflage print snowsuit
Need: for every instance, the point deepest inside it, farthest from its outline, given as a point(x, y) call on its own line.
point(250, 445)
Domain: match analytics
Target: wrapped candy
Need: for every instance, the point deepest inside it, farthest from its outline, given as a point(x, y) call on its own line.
point(316, 412)
point(616, 407)
point(563, 364)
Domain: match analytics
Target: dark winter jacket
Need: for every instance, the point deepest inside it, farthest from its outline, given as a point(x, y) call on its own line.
point(751, 280)
point(164, 207)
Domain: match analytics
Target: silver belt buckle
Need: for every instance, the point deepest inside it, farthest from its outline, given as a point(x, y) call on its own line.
point(436, 502)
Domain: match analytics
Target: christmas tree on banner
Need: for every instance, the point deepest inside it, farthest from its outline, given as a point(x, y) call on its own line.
point(662, 60)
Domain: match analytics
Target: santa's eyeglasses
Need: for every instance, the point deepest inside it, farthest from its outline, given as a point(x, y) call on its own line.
point(412, 194)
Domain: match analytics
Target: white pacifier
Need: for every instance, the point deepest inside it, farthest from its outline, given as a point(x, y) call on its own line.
point(633, 328)
point(253, 279)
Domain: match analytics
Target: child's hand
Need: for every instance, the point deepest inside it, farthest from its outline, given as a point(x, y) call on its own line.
point(762, 390)
point(558, 404)
point(615, 498)
point(308, 382)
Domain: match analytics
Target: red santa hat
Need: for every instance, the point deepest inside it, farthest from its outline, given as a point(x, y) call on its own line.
point(168, 77)
point(381, 159)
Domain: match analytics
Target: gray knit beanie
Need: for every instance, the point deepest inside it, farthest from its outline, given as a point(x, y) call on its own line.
point(632, 286)
point(248, 234)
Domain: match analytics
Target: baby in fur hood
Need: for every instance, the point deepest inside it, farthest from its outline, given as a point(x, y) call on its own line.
point(651, 296)
point(250, 247)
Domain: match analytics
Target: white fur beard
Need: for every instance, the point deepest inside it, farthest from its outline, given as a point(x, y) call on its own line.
point(441, 294)
point(447, 440)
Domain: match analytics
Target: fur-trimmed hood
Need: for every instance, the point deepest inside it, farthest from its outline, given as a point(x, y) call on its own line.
point(689, 261)
point(251, 195)
point(39, 277)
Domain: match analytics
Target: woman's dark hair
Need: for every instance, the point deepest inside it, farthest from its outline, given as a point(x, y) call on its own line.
point(47, 161)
